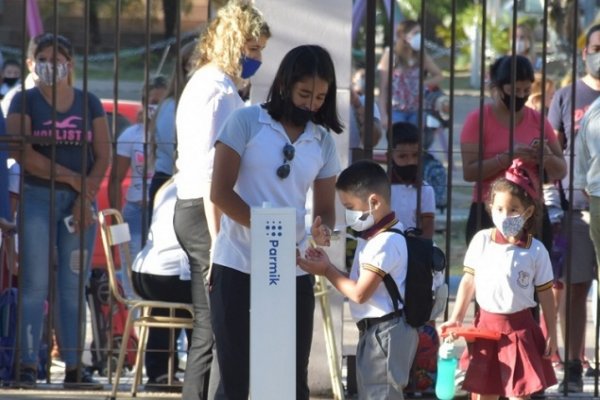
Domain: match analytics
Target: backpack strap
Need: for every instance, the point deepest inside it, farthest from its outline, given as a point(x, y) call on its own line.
point(389, 282)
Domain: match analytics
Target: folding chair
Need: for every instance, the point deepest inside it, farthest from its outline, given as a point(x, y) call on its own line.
point(115, 232)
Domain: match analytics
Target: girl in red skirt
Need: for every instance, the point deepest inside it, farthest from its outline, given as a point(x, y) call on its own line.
point(504, 266)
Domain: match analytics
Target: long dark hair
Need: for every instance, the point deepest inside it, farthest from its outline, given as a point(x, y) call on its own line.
point(299, 63)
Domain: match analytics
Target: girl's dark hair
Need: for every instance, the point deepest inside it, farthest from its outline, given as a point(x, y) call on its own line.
point(305, 61)
point(363, 178)
point(501, 71)
point(504, 185)
point(404, 133)
point(46, 40)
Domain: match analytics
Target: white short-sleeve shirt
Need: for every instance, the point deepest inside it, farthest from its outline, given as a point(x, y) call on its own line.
point(207, 100)
point(384, 253)
point(162, 254)
point(506, 275)
point(130, 144)
point(404, 202)
point(259, 140)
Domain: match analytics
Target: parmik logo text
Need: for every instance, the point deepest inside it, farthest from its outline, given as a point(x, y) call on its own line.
point(274, 230)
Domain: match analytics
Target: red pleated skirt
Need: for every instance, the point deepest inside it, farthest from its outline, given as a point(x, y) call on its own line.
point(513, 366)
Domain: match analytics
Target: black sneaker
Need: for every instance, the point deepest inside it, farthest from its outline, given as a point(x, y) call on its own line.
point(85, 383)
point(27, 379)
point(161, 384)
point(575, 382)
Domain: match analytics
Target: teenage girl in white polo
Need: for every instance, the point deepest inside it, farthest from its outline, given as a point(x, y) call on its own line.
point(503, 267)
point(272, 153)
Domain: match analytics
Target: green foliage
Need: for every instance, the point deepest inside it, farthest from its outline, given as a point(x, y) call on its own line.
point(435, 8)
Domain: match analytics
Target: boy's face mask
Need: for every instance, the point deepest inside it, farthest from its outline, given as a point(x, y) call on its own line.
point(360, 220)
point(407, 173)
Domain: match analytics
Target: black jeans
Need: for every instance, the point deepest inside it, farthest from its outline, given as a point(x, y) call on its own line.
point(162, 288)
point(192, 233)
point(230, 311)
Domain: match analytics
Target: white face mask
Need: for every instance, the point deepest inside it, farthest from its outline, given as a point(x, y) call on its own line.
point(44, 71)
point(509, 226)
point(521, 46)
point(415, 42)
point(359, 220)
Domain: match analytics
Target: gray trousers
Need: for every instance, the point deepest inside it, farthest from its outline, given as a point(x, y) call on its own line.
point(192, 233)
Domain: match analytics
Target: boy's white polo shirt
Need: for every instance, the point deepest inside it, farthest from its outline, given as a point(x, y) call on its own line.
point(384, 253)
point(506, 275)
point(206, 102)
point(259, 140)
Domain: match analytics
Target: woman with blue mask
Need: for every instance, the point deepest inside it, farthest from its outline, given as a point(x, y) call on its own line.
point(65, 157)
point(272, 153)
point(229, 52)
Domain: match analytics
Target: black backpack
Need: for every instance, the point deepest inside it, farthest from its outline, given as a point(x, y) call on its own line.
point(423, 260)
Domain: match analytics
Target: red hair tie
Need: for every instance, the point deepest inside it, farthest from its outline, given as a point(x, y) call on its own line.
point(524, 176)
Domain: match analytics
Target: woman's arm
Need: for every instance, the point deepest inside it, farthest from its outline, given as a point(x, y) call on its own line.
point(324, 200)
point(554, 161)
point(119, 171)
point(33, 162)
point(489, 167)
point(384, 87)
point(435, 73)
point(225, 173)
point(102, 156)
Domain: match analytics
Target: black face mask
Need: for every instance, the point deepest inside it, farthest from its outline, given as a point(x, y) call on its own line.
point(519, 101)
point(10, 81)
point(298, 116)
point(405, 173)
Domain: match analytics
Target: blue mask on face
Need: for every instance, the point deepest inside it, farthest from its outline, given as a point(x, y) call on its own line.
point(249, 66)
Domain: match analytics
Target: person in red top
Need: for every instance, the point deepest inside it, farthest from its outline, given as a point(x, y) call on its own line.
point(495, 139)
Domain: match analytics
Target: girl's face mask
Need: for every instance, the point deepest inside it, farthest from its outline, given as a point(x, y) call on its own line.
point(509, 226)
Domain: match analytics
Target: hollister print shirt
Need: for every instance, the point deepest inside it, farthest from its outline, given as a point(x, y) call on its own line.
point(68, 130)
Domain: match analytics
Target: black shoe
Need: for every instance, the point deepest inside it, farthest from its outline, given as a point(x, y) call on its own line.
point(575, 382)
point(541, 394)
point(85, 383)
point(27, 379)
point(161, 384)
point(591, 372)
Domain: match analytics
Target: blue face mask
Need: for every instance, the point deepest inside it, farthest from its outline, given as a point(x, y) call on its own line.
point(249, 66)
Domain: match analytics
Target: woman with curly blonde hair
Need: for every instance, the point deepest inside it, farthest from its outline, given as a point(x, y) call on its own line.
point(229, 53)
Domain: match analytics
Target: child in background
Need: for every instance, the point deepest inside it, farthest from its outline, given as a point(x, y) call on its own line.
point(504, 265)
point(405, 160)
point(387, 344)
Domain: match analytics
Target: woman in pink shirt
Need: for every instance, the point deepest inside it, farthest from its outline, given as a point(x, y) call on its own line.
point(495, 140)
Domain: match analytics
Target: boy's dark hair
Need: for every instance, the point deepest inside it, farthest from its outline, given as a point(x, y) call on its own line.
point(590, 32)
point(363, 178)
point(501, 71)
point(404, 133)
point(11, 61)
point(299, 63)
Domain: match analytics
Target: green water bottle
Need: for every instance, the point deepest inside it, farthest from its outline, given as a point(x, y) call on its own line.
point(446, 369)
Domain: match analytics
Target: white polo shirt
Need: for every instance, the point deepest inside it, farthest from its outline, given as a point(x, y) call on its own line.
point(130, 144)
point(384, 253)
point(162, 254)
point(404, 202)
point(259, 140)
point(207, 100)
point(505, 274)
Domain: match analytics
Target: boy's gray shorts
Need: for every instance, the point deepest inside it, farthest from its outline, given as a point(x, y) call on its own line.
point(384, 356)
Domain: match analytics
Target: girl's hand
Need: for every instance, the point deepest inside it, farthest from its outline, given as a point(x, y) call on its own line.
point(89, 217)
point(320, 232)
point(551, 347)
point(449, 324)
point(315, 262)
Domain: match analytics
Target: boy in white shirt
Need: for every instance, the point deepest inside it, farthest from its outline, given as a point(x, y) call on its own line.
point(405, 160)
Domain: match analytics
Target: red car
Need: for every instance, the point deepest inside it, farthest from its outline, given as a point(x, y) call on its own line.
point(127, 112)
